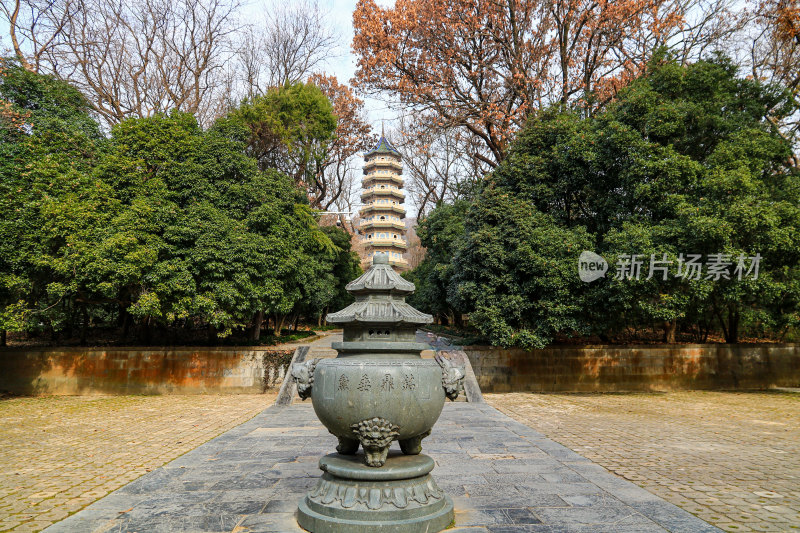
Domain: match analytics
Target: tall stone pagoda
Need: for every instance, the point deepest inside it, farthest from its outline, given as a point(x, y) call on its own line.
point(382, 227)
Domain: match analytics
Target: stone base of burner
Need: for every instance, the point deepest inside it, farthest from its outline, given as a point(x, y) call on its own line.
point(400, 496)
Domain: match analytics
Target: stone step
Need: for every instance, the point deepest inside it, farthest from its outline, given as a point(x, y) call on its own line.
point(322, 353)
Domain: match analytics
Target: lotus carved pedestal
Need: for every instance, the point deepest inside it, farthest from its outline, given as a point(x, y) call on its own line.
point(378, 390)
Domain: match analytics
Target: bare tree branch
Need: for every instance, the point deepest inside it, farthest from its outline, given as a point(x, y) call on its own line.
point(294, 42)
point(442, 164)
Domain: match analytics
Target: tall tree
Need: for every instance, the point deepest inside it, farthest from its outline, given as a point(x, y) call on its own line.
point(161, 228)
point(312, 131)
point(291, 129)
point(134, 60)
point(35, 27)
point(294, 41)
point(438, 162)
point(217, 239)
point(775, 55)
point(49, 203)
point(485, 65)
point(440, 233)
point(353, 135)
point(514, 272)
point(685, 161)
point(466, 64)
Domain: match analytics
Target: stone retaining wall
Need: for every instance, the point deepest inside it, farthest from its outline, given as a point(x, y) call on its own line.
point(561, 368)
point(137, 370)
point(636, 368)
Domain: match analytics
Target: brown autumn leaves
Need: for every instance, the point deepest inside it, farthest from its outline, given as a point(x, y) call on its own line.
point(485, 65)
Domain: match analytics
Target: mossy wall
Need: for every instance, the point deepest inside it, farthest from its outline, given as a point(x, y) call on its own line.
point(636, 368)
point(141, 370)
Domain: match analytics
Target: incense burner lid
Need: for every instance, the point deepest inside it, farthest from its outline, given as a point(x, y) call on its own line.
point(380, 277)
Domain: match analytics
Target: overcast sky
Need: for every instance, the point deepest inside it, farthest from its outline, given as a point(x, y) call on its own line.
point(340, 14)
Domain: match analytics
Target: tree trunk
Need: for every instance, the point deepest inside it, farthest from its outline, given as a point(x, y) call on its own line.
point(68, 324)
point(3, 337)
point(279, 320)
point(670, 328)
point(296, 321)
point(84, 324)
point(126, 325)
point(731, 329)
point(51, 331)
point(12, 31)
point(733, 325)
point(212, 335)
point(704, 327)
point(147, 332)
point(255, 331)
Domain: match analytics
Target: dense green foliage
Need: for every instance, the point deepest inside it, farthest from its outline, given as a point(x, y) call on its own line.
point(515, 271)
point(683, 162)
point(290, 129)
point(162, 227)
point(438, 233)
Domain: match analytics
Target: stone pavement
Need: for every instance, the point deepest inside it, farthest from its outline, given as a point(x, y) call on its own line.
point(731, 458)
point(502, 475)
point(59, 454)
point(319, 346)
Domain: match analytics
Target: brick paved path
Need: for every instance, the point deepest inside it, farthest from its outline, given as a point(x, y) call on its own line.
point(733, 459)
point(503, 476)
point(59, 454)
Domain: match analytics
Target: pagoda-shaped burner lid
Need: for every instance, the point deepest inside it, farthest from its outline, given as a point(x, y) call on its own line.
point(380, 277)
point(380, 299)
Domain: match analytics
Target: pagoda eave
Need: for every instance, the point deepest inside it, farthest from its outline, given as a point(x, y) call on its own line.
point(371, 311)
point(382, 224)
point(383, 210)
